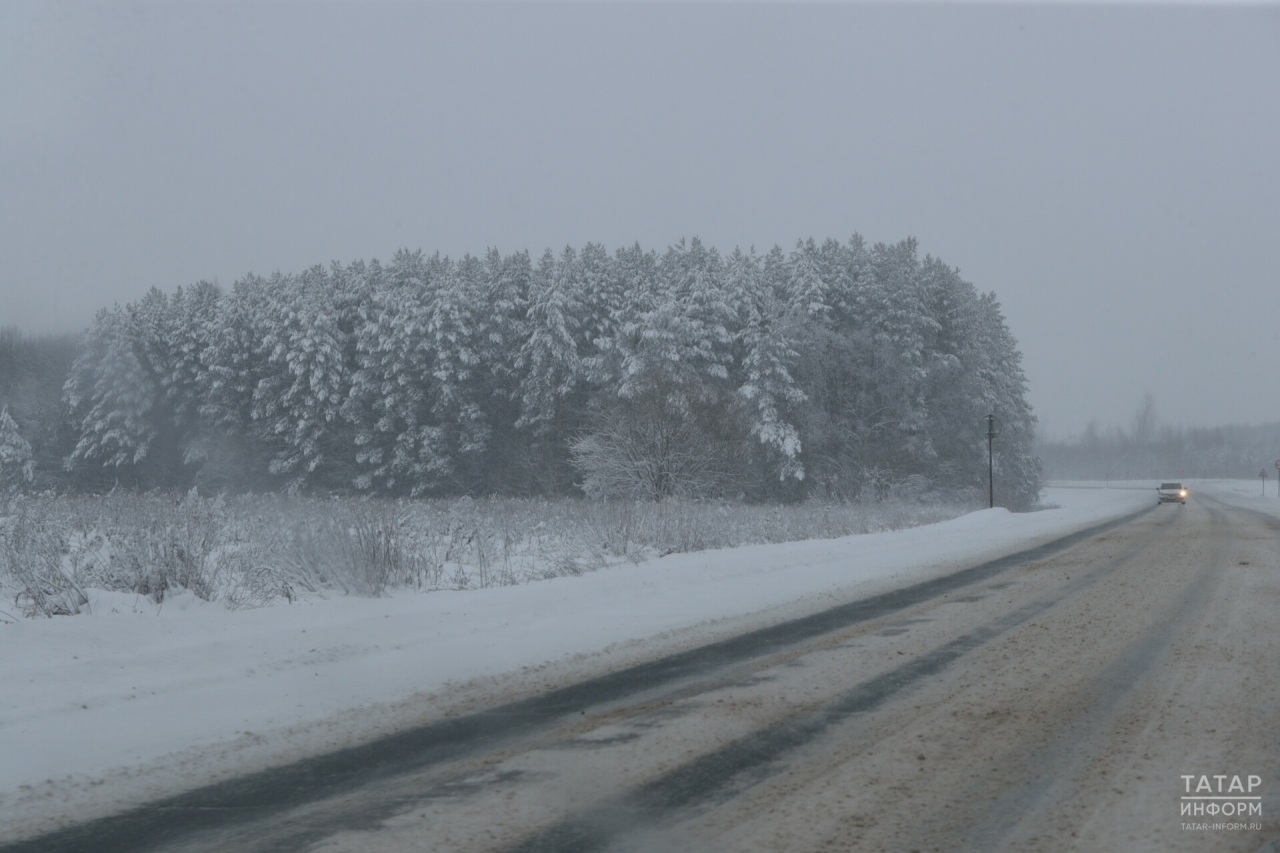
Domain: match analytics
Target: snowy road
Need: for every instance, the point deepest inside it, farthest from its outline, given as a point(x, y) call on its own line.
point(1053, 700)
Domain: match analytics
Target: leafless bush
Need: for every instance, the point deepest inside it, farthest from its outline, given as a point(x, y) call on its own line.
point(33, 557)
point(652, 446)
point(252, 551)
point(356, 548)
point(607, 530)
point(257, 585)
point(145, 544)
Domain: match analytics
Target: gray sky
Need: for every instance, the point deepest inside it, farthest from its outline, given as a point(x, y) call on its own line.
point(1113, 173)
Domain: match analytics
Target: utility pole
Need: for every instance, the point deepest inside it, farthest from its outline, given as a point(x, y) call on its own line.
point(993, 429)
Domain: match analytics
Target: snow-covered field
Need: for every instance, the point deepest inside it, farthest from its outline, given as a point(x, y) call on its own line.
point(1243, 493)
point(134, 701)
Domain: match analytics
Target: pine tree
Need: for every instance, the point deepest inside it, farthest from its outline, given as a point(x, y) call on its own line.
point(1018, 468)
point(453, 336)
point(298, 399)
point(807, 290)
point(194, 316)
point(388, 400)
point(603, 297)
point(840, 266)
point(506, 292)
point(776, 275)
point(900, 324)
point(231, 448)
point(17, 465)
point(507, 467)
point(110, 395)
point(679, 337)
point(954, 385)
point(549, 362)
point(766, 387)
point(666, 406)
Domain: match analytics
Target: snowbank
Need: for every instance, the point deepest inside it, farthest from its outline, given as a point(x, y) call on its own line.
point(1243, 493)
point(157, 699)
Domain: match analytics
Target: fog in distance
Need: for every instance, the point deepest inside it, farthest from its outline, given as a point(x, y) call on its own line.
point(1109, 171)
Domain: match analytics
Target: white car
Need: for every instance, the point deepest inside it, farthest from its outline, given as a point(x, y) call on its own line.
point(1170, 492)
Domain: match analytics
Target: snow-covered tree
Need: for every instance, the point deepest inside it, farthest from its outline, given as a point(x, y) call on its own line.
point(388, 402)
point(549, 363)
point(192, 323)
point(668, 387)
point(677, 334)
point(898, 325)
point(808, 292)
point(454, 335)
point(17, 465)
point(767, 390)
point(231, 448)
point(829, 369)
point(603, 297)
point(505, 290)
point(110, 395)
point(297, 400)
point(507, 466)
point(1018, 468)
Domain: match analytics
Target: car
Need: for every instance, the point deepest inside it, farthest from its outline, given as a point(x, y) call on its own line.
point(1170, 492)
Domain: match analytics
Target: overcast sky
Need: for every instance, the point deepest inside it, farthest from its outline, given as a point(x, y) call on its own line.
point(1112, 173)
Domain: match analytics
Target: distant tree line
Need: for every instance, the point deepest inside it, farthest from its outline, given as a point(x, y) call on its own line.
point(1149, 450)
point(835, 369)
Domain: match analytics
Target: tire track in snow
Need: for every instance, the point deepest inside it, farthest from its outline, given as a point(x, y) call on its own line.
point(748, 760)
point(271, 793)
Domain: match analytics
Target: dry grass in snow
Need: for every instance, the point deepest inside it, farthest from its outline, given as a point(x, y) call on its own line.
point(251, 551)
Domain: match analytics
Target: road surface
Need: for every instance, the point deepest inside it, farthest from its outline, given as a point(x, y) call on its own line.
point(1068, 698)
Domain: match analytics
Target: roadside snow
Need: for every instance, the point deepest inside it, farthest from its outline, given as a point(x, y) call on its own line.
point(154, 700)
point(1243, 493)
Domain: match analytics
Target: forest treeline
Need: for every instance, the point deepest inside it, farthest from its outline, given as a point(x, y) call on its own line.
point(836, 370)
point(1149, 450)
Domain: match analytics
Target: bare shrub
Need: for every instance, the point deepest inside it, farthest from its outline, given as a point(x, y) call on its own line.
point(677, 526)
point(356, 547)
point(147, 545)
point(610, 529)
point(257, 585)
point(33, 557)
point(252, 551)
point(650, 447)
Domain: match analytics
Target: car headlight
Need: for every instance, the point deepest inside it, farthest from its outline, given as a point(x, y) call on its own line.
point(1184, 493)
